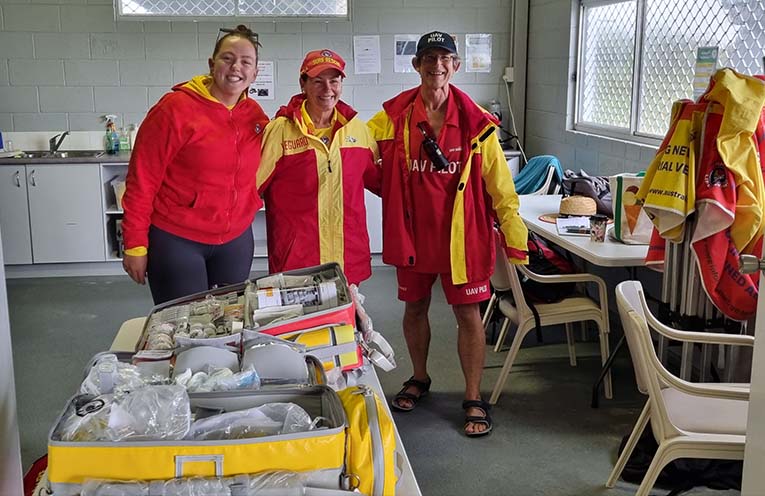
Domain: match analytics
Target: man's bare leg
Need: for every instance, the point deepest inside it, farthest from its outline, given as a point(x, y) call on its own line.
point(471, 346)
point(417, 335)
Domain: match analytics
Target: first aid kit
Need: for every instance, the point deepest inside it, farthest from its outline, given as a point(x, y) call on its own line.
point(231, 383)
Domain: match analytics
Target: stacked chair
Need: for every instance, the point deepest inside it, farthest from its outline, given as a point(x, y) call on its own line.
point(688, 420)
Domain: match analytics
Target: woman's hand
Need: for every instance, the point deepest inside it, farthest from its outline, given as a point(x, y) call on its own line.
point(135, 266)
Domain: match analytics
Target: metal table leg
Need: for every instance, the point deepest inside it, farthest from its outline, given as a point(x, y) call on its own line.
point(603, 372)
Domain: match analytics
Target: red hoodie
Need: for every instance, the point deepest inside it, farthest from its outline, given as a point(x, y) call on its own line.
point(192, 170)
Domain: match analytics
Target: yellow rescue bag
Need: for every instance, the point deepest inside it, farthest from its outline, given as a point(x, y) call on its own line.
point(370, 442)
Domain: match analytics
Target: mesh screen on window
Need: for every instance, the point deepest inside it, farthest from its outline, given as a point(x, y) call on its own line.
point(230, 8)
point(672, 31)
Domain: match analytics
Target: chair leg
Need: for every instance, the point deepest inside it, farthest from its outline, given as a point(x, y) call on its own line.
point(642, 421)
point(659, 461)
point(489, 310)
point(605, 350)
point(514, 348)
point(502, 335)
point(571, 344)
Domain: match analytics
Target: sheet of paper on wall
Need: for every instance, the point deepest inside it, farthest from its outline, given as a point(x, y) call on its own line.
point(366, 54)
point(404, 49)
point(263, 87)
point(573, 226)
point(478, 52)
point(706, 65)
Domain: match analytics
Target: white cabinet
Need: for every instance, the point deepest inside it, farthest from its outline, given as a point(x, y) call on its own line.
point(112, 218)
point(14, 215)
point(65, 213)
point(51, 213)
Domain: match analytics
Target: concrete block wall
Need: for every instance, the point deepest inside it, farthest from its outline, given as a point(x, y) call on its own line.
point(549, 94)
point(64, 63)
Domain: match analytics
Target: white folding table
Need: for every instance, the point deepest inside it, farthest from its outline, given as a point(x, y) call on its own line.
point(609, 253)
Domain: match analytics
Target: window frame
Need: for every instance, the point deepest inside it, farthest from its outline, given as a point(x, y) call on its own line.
point(119, 16)
point(632, 134)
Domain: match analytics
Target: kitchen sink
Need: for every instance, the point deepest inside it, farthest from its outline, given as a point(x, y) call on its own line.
point(63, 154)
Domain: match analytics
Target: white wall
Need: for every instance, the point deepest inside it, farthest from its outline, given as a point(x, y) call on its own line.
point(63, 63)
point(10, 450)
point(550, 64)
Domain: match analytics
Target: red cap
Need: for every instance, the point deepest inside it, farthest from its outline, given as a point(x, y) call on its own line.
point(319, 60)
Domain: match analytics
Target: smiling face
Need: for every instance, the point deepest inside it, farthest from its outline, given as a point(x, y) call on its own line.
point(323, 91)
point(233, 69)
point(436, 67)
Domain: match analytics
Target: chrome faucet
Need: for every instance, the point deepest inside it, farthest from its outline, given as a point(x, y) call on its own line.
point(55, 145)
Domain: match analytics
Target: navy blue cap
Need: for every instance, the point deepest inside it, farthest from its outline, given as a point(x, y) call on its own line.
point(436, 39)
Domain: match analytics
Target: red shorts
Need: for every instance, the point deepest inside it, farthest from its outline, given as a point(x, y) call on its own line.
point(414, 286)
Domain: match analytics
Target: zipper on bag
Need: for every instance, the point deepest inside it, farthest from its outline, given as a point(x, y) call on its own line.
point(378, 453)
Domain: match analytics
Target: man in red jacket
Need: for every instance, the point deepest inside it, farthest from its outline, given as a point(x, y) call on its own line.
point(444, 181)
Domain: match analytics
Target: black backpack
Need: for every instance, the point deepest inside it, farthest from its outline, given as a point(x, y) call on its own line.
point(544, 259)
point(547, 259)
point(682, 474)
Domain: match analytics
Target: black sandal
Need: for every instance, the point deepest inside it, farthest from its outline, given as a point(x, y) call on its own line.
point(422, 390)
point(475, 419)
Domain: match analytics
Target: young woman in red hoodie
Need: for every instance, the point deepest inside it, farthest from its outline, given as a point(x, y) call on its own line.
point(191, 195)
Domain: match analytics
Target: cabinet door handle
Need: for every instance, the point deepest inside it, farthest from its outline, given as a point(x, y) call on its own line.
point(16, 179)
point(32, 178)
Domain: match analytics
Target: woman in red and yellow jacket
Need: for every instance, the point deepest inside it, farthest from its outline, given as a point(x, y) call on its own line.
point(191, 197)
point(317, 157)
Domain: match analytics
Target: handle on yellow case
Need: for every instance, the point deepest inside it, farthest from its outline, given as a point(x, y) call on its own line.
point(181, 460)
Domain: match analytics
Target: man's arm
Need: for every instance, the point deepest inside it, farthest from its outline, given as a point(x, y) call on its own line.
point(505, 202)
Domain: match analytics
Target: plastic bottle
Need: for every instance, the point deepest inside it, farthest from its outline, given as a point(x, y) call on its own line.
point(124, 141)
point(115, 141)
point(496, 109)
point(108, 146)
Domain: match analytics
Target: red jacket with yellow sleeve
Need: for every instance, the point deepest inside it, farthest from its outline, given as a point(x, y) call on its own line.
point(485, 191)
point(314, 193)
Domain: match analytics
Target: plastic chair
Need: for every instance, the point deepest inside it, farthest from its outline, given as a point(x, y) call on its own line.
point(537, 176)
point(548, 188)
point(688, 420)
point(577, 308)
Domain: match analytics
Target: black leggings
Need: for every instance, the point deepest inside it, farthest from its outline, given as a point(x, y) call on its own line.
point(179, 267)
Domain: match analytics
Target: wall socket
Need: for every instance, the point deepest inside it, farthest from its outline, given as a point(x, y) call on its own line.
point(509, 75)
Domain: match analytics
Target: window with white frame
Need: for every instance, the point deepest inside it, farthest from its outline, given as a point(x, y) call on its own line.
point(638, 56)
point(232, 8)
